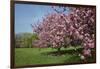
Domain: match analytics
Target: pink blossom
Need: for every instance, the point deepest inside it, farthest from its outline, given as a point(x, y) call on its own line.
point(58, 29)
point(87, 52)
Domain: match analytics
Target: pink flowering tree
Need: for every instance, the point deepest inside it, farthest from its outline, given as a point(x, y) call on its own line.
point(59, 29)
point(84, 24)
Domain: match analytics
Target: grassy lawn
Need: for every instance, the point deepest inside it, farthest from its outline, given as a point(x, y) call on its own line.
point(34, 56)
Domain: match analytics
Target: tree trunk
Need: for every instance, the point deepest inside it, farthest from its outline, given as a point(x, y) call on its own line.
point(59, 49)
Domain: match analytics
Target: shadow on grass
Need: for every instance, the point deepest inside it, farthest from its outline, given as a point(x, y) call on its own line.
point(73, 55)
point(63, 52)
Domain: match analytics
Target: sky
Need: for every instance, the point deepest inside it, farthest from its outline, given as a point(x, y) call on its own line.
point(27, 14)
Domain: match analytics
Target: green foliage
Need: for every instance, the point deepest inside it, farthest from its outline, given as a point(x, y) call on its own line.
point(24, 40)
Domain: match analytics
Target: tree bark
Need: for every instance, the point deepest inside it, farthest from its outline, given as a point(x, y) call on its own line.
point(59, 49)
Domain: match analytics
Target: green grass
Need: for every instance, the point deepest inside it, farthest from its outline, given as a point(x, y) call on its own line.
point(36, 56)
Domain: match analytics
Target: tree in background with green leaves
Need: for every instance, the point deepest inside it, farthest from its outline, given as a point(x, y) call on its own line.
point(24, 40)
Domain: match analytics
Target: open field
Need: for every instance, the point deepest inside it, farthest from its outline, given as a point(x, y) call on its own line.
point(35, 56)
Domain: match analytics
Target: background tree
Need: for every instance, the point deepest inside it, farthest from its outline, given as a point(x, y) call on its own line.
point(24, 40)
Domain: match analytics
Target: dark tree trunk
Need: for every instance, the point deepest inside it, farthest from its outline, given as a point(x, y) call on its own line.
point(59, 49)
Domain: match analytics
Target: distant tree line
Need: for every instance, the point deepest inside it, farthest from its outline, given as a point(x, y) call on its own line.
point(24, 40)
